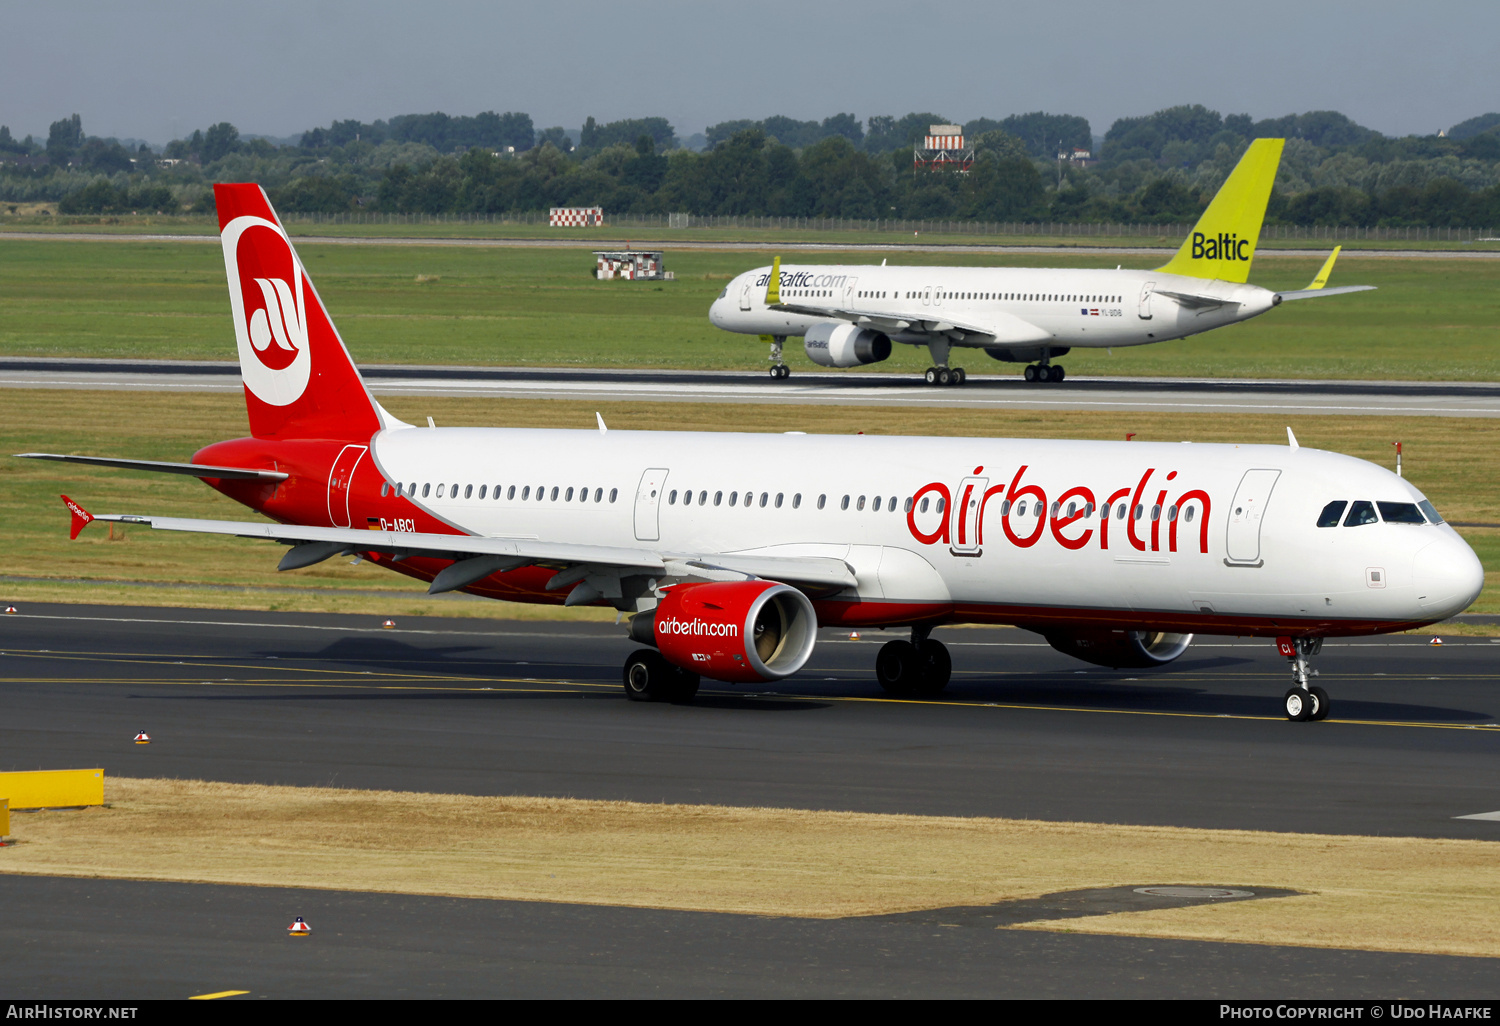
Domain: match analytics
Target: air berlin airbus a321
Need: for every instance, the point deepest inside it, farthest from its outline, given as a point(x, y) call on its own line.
point(729, 550)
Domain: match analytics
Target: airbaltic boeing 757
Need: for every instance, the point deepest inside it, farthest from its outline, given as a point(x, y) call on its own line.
point(849, 316)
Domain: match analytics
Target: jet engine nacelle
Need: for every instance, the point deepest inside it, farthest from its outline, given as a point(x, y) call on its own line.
point(841, 344)
point(1120, 650)
point(742, 632)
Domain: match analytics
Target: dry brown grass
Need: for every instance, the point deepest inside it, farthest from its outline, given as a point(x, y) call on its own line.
point(1385, 893)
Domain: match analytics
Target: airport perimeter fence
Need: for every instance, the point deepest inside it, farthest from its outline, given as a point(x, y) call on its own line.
point(1056, 229)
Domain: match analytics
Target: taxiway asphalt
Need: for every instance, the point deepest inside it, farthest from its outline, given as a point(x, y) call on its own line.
point(497, 707)
point(847, 388)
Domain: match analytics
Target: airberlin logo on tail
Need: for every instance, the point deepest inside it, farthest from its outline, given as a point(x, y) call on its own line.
point(1224, 246)
point(279, 321)
point(269, 308)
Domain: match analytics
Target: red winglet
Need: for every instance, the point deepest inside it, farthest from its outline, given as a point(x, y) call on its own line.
point(81, 517)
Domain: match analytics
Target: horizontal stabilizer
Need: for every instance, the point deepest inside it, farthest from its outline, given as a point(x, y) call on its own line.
point(160, 467)
point(1282, 297)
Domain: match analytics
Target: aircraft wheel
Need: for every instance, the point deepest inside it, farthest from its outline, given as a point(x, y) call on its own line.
point(1058, 374)
point(1320, 703)
point(1298, 704)
point(649, 678)
point(684, 687)
point(896, 667)
point(959, 377)
point(932, 375)
point(934, 668)
point(1030, 373)
point(944, 376)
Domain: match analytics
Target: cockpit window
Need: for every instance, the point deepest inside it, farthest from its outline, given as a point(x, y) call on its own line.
point(1400, 513)
point(1431, 511)
point(1331, 513)
point(725, 293)
point(1360, 513)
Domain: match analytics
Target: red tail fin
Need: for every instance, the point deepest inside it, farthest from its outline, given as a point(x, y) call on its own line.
point(299, 379)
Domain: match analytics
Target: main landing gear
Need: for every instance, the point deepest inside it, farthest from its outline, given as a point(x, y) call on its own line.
point(1303, 702)
point(940, 373)
point(1044, 373)
point(918, 668)
point(779, 369)
point(649, 677)
point(946, 376)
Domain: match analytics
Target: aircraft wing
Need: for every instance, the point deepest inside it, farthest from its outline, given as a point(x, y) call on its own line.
point(161, 467)
point(1007, 329)
point(476, 558)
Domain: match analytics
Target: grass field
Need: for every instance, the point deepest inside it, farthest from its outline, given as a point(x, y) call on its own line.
point(1431, 320)
point(1373, 893)
point(1455, 468)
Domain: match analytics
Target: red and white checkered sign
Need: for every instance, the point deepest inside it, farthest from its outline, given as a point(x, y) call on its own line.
point(576, 217)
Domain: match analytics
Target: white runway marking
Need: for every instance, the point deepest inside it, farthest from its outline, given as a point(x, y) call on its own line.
point(1492, 816)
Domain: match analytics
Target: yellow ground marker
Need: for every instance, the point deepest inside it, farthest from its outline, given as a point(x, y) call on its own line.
point(53, 789)
point(217, 994)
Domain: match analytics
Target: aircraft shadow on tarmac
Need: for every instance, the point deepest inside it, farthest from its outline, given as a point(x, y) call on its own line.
point(1157, 693)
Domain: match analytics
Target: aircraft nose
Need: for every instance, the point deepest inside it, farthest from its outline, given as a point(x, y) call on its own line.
point(716, 313)
point(1448, 576)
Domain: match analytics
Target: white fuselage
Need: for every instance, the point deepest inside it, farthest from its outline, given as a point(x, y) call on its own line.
point(1011, 306)
point(1206, 538)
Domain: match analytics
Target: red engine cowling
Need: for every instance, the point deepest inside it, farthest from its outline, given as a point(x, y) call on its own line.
point(741, 632)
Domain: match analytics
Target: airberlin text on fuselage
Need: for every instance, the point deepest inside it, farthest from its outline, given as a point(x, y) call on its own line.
point(1147, 507)
point(805, 280)
point(698, 628)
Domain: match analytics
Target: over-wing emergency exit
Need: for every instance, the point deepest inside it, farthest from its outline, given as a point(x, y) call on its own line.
point(850, 316)
point(728, 550)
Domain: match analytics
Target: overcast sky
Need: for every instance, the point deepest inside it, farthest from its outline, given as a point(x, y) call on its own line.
point(276, 67)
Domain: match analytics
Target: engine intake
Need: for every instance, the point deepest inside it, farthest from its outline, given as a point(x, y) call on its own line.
point(1120, 650)
point(741, 632)
point(841, 344)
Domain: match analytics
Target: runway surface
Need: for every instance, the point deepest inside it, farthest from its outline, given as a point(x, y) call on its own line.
point(495, 707)
point(854, 242)
point(850, 388)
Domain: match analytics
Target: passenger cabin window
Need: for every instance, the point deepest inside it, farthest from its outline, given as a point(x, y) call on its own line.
point(1400, 513)
point(1360, 513)
point(612, 493)
point(1331, 513)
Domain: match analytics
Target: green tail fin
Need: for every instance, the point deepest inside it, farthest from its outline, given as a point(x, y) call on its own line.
point(1222, 243)
point(773, 283)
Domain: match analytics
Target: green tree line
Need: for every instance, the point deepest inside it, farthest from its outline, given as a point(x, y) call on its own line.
point(1162, 167)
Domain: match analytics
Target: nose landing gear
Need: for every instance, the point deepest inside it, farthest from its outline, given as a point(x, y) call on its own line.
point(1303, 701)
point(779, 369)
